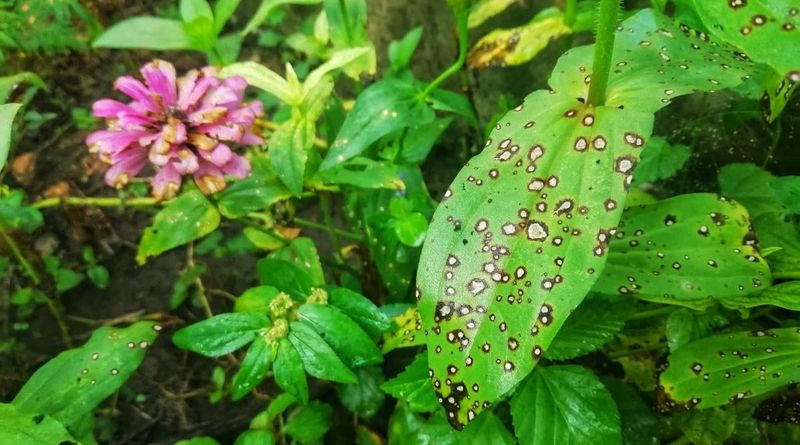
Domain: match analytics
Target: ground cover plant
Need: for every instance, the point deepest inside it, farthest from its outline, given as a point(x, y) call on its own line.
point(351, 221)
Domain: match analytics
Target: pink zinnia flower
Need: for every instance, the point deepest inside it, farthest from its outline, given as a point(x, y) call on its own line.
point(180, 126)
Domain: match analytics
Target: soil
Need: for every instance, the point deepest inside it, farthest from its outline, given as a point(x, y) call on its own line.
point(167, 399)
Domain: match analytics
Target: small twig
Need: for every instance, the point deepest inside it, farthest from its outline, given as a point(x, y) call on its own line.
point(201, 290)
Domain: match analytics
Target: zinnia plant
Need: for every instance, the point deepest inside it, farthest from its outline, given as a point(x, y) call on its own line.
point(182, 126)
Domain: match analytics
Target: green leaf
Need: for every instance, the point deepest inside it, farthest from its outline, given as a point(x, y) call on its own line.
point(413, 386)
point(256, 299)
point(187, 279)
point(364, 312)
point(690, 250)
point(30, 429)
point(337, 60)
point(420, 140)
point(785, 295)
point(73, 383)
point(289, 372)
point(660, 160)
point(146, 33)
point(264, 78)
point(411, 229)
point(15, 215)
point(286, 276)
point(515, 46)
point(752, 187)
point(217, 385)
point(98, 275)
point(639, 424)
point(7, 113)
point(309, 423)
point(351, 343)
point(187, 218)
point(254, 369)
point(364, 398)
point(764, 29)
point(565, 404)
point(303, 253)
point(591, 326)
point(706, 427)
point(347, 20)
point(221, 334)
point(487, 429)
point(362, 172)
point(319, 359)
point(256, 437)
point(223, 11)
point(193, 9)
point(726, 368)
point(685, 326)
point(266, 7)
point(258, 192)
point(288, 151)
point(382, 108)
point(400, 51)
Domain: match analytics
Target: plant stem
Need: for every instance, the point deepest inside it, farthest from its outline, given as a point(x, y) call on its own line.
point(463, 47)
point(96, 201)
point(607, 19)
point(23, 261)
point(63, 328)
point(201, 290)
point(324, 228)
point(787, 275)
point(570, 12)
point(327, 216)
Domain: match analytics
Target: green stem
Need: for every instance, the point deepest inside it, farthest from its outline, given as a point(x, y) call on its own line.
point(97, 202)
point(327, 216)
point(23, 261)
point(324, 228)
point(787, 275)
point(463, 47)
point(607, 19)
point(570, 12)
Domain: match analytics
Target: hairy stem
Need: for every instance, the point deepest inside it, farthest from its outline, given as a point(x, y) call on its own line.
point(463, 47)
point(607, 18)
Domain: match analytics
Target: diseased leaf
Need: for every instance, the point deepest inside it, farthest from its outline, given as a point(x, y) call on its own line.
point(187, 218)
point(482, 10)
point(726, 368)
point(565, 404)
point(591, 326)
point(778, 90)
point(515, 46)
point(409, 332)
point(660, 160)
point(413, 386)
point(764, 29)
point(521, 235)
point(30, 428)
point(785, 295)
point(691, 250)
point(73, 383)
point(382, 108)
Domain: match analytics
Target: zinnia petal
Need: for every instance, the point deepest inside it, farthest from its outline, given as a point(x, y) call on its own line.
point(160, 78)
